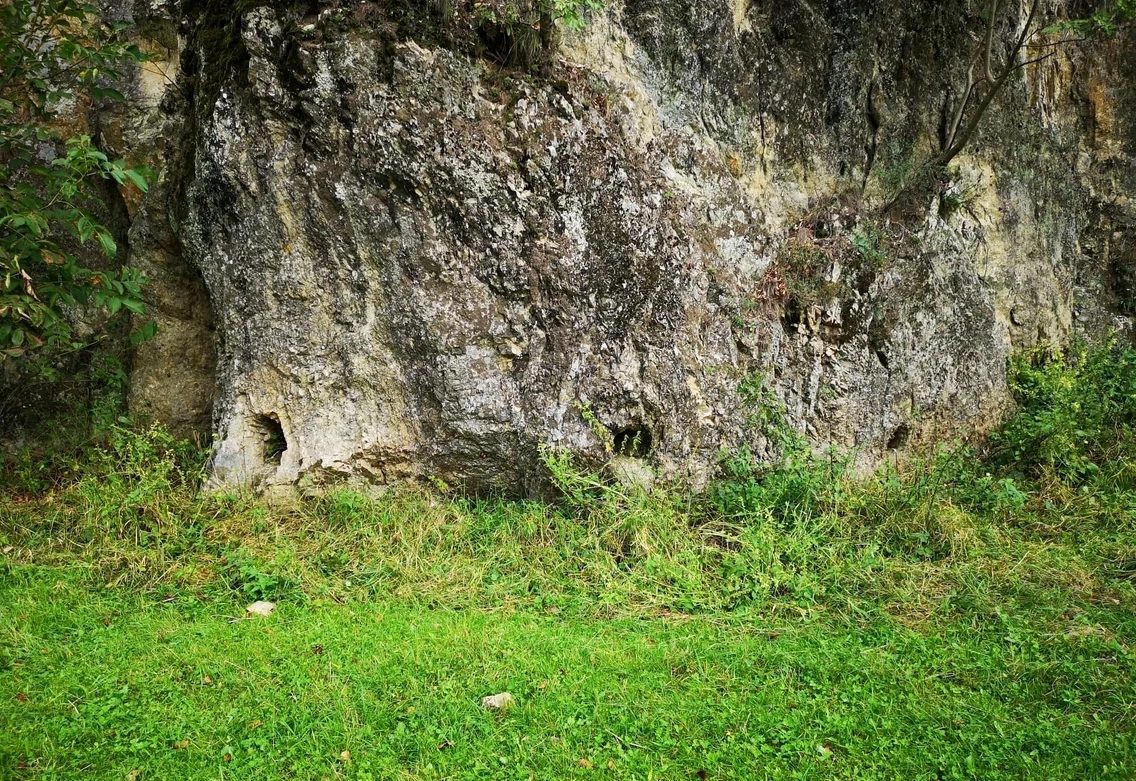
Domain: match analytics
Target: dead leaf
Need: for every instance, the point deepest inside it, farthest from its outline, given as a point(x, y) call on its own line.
point(345, 756)
point(255, 724)
point(542, 685)
point(8, 549)
point(260, 608)
point(228, 757)
point(585, 762)
point(133, 775)
point(445, 744)
point(317, 650)
point(208, 681)
point(181, 745)
point(611, 764)
point(21, 697)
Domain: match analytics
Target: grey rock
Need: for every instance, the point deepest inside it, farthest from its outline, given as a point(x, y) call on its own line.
point(379, 256)
point(634, 474)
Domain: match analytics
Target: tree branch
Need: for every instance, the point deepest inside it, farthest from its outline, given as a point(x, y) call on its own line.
point(951, 151)
point(991, 26)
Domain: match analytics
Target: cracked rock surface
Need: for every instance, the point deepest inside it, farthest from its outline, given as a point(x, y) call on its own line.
point(415, 260)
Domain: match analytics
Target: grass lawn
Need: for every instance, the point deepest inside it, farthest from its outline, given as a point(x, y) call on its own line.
point(106, 683)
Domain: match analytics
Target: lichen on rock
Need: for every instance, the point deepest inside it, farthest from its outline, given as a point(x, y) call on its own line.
point(420, 260)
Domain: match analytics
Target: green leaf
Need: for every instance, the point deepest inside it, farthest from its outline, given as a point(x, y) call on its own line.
point(144, 334)
point(109, 247)
point(85, 227)
point(138, 179)
point(104, 93)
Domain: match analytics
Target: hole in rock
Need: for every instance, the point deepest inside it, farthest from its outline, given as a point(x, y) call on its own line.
point(792, 318)
point(899, 437)
point(274, 443)
point(632, 441)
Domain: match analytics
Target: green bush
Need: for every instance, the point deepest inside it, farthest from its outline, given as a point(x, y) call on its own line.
point(57, 53)
point(1076, 411)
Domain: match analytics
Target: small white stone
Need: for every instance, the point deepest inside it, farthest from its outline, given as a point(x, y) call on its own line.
point(498, 701)
point(634, 474)
point(260, 608)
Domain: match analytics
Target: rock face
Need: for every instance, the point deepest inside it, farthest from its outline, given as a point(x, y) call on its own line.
point(413, 259)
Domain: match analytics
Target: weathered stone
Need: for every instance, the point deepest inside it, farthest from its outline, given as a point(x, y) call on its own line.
point(421, 263)
point(634, 474)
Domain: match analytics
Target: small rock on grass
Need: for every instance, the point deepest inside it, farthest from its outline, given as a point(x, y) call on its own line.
point(260, 608)
point(498, 701)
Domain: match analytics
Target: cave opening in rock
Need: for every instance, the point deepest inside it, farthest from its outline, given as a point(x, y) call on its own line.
point(274, 443)
point(899, 437)
point(632, 441)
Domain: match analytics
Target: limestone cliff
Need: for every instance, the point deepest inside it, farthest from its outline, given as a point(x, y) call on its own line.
point(383, 249)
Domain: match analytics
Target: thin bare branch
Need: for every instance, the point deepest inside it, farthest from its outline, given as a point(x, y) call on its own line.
point(961, 111)
point(991, 27)
point(951, 151)
point(1035, 61)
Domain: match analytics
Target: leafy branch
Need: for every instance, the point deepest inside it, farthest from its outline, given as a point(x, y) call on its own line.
point(56, 56)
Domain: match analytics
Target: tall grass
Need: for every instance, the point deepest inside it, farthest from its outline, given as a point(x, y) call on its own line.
point(1047, 505)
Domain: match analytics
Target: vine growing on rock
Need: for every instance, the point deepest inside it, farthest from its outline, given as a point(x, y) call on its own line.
point(57, 58)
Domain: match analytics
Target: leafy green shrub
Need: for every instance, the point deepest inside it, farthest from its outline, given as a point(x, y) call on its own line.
point(522, 32)
point(1075, 412)
point(1106, 19)
point(134, 479)
point(255, 579)
point(870, 244)
point(53, 54)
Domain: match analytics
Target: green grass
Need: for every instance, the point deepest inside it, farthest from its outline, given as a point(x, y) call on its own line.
point(118, 681)
point(969, 616)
